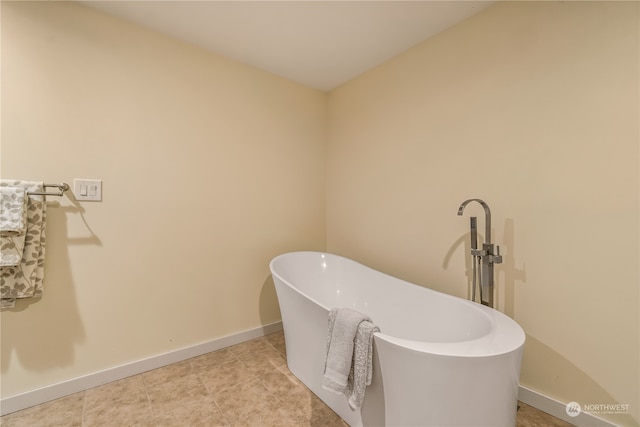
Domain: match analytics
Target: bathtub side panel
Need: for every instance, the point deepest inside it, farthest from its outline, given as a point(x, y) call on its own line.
point(423, 389)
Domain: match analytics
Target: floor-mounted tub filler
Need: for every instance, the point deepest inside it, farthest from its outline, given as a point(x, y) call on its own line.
point(438, 360)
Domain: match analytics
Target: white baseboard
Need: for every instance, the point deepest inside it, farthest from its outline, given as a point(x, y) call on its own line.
point(559, 410)
point(55, 391)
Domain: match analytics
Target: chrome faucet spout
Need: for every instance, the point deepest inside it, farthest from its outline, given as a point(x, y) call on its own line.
point(487, 216)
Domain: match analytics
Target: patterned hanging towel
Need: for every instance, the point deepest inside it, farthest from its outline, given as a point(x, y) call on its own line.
point(13, 225)
point(22, 278)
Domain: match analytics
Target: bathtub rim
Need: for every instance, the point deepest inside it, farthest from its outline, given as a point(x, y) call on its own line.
point(505, 335)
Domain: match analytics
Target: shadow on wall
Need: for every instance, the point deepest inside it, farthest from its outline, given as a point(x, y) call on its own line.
point(539, 357)
point(510, 274)
point(268, 305)
point(43, 332)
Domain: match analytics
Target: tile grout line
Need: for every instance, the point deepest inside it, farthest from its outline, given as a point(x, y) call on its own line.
point(209, 393)
point(84, 402)
point(146, 391)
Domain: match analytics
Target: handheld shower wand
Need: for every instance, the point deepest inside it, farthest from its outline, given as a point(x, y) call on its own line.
point(474, 257)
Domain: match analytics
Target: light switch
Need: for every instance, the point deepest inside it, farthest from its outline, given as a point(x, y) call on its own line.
point(87, 190)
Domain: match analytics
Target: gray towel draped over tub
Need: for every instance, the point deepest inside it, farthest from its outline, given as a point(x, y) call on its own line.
point(22, 244)
point(348, 365)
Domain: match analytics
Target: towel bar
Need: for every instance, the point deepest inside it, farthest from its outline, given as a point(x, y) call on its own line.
point(61, 189)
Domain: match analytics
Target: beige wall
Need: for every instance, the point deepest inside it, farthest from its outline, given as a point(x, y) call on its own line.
point(533, 107)
point(210, 168)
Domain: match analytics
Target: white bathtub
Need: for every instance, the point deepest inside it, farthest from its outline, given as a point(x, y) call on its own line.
point(439, 360)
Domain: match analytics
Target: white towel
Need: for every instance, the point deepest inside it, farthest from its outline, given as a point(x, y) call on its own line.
point(348, 364)
point(25, 279)
point(13, 225)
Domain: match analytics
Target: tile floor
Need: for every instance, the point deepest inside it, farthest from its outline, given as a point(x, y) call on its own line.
point(244, 385)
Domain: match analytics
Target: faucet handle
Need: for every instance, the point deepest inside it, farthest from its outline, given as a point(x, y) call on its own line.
point(479, 252)
point(497, 258)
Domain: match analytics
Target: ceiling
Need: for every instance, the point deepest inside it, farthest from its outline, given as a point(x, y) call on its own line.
point(320, 44)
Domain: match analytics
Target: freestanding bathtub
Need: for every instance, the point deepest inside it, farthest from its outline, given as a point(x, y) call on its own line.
point(439, 360)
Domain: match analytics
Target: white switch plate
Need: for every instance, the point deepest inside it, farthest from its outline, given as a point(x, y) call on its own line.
point(87, 189)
